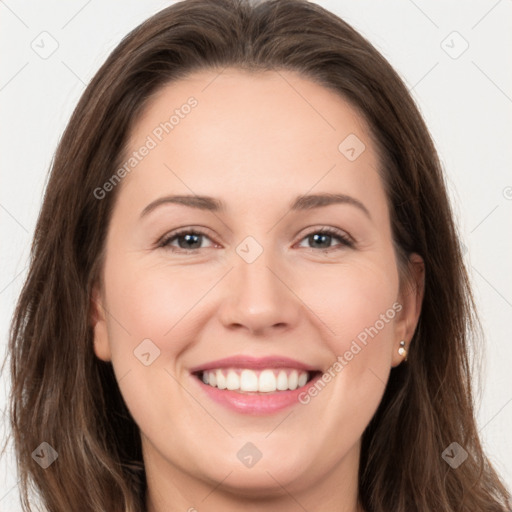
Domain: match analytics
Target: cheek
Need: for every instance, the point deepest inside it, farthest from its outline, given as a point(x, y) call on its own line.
point(352, 298)
point(154, 302)
point(152, 320)
point(358, 308)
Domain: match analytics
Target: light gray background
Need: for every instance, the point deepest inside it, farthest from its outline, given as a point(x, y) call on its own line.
point(466, 100)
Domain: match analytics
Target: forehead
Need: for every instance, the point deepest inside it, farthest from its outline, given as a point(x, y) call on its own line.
point(254, 132)
point(233, 99)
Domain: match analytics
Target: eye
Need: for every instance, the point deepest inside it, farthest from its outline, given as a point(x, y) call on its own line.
point(187, 239)
point(325, 236)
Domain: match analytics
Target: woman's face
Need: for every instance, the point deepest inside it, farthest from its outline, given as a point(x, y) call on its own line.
point(251, 289)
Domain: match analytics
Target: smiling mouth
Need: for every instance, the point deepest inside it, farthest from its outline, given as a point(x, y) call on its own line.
point(248, 381)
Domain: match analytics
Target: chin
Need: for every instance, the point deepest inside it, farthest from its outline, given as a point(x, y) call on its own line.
point(255, 482)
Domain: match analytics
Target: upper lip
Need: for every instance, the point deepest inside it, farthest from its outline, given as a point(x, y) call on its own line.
point(242, 361)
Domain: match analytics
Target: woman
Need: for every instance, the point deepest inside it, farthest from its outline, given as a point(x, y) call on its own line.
point(260, 371)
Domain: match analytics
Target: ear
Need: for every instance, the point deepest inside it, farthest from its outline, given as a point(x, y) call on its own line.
point(411, 298)
point(99, 325)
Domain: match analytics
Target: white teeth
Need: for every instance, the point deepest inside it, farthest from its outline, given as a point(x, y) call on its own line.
point(248, 381)
point(219, 377)
point(232, 381)
point(265, 381)
point(293, 380)
point(282, 381)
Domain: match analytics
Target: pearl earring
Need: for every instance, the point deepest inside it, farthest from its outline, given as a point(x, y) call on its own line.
point(402, 350)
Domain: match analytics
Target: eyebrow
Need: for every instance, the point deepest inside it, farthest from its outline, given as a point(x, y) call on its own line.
point(300, 203)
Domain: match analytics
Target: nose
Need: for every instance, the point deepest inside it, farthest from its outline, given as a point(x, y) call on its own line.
point(259, 297)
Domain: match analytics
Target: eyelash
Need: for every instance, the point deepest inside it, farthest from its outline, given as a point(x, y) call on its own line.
point(166, 240)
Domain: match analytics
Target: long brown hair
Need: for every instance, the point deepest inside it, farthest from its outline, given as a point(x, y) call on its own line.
point(65, 396)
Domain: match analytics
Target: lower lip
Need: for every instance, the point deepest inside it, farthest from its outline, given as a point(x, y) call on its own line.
point(256, 403)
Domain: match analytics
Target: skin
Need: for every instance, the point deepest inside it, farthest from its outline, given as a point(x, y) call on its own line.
point(255, 141)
